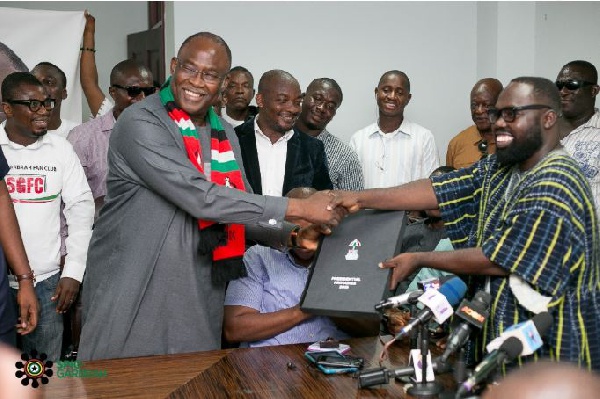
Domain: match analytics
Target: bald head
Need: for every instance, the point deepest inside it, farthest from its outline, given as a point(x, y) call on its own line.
point(483, 96)
point(547, 380)
point(275, 77)
point(493, 86)
point(395, 72)
point(128, 67)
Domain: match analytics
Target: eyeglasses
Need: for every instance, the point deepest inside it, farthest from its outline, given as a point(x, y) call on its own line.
point(483, 148)
point(510, 113)
point(573, 84)
point(35, 105)
point(134, 91)
point(320, 101)
point(210, 77)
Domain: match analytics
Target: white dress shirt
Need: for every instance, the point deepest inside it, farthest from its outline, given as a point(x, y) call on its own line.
point(271, 158)
point(389, 159)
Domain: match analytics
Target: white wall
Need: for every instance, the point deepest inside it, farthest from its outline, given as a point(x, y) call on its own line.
point(354, 43)
point(444, 47)
point(566, 31)
point(114, 21)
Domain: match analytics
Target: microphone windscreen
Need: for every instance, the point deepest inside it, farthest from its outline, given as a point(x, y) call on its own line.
point(512, 347)
point(454, 290)
point(542, 322)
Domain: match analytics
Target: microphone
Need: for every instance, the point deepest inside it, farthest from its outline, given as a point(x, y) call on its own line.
point(529, 333)
point(509, 350)
point(368, 378)
point(408, 298)
point(438, 303)
point(474, 313)
point(516, 342)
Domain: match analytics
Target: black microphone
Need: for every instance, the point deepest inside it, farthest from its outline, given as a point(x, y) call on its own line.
point(474, 313)
point(514, 345)
point(409, 298)
point(453, 291)
point(368, 378)
point(509, 350)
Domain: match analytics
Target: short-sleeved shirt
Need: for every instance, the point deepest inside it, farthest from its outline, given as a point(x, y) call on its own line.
point(7, 315)
point(463, 149)
point(276, 282)
point(544, 230)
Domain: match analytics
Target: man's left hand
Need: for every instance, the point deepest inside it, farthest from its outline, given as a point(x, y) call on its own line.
point(404, 265)
point(65, 294)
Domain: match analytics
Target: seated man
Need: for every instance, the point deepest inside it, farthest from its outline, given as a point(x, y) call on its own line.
point(276, 157)
point(263, 309)
point(477, 141)
point(238, 91)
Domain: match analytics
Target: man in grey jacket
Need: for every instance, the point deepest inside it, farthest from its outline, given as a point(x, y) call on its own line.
point(150, 285)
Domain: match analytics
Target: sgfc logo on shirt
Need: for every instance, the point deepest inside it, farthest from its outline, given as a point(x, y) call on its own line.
point(26, 184)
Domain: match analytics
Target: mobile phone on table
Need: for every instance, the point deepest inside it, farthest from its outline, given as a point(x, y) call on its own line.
point(333, 362)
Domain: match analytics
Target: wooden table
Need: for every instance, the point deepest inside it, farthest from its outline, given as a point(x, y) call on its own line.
point(232, 373)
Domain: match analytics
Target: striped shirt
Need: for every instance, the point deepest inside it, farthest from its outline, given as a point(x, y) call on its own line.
point(390, 159)
point(276, 282)
point(345, 170)
point(583, 144)
point(544, 231)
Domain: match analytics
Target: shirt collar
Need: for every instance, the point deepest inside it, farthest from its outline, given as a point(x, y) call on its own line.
point(404, 128)
point(285, 137)
point(5, 141)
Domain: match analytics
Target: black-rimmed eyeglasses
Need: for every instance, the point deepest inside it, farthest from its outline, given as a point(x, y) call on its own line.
point(510, 113)
point(573, 84)
point(35, 105)
point(134, 91)
point(209, 77)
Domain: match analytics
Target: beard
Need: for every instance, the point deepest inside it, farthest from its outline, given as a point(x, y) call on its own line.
point(522, 149)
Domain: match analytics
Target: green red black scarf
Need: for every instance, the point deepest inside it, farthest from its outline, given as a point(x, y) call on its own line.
point(227, 242)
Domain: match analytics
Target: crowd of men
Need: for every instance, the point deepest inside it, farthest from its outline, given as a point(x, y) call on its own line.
point(204, 212)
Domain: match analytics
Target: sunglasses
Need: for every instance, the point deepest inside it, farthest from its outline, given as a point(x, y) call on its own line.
point(510, 113)
point(572, 84)
point(35, 105)
point(134, 91)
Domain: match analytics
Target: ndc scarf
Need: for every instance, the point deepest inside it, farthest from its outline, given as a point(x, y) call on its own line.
point(227, 242)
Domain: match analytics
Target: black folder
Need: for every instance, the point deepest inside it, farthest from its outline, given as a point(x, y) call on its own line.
point(345, 280)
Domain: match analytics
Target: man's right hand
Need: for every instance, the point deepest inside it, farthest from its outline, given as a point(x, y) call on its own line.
point(319, 208)
point(28, 307)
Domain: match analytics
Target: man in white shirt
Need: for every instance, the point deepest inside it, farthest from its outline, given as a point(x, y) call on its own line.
point(238, 92)
point(578, 85)
point(45, 171)
point(55, 84)
point(394, 150)
point(276, 157)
